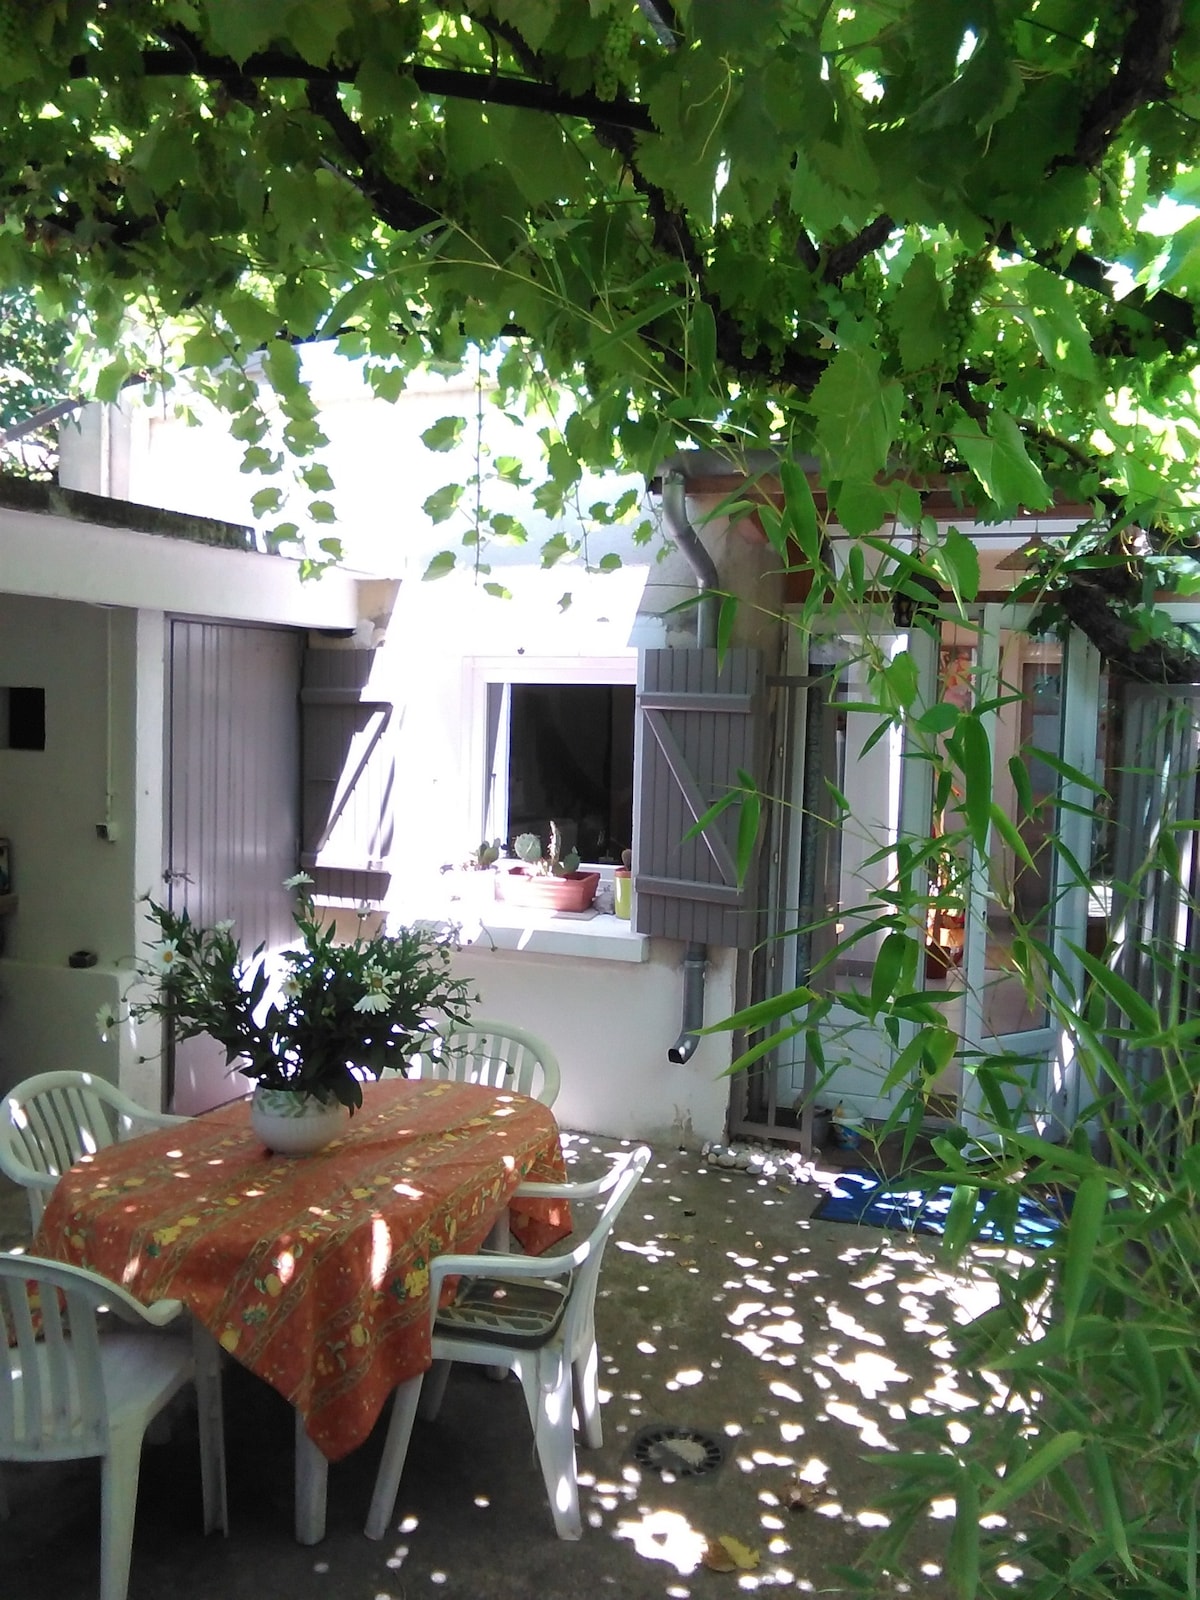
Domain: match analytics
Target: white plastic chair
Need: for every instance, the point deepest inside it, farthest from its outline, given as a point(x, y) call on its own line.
point(48, 1122)
point(69, 1390)
point(536, 1316)
point(492, 1053)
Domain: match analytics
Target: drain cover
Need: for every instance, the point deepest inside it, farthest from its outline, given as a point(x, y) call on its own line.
point(684, 1452)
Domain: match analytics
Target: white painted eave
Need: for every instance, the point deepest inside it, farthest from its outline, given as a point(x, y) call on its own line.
point(58, 558)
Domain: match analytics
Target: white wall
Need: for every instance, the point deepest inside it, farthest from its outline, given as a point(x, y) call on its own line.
point(610, 1024)
point(83, 616)
point(75, 889)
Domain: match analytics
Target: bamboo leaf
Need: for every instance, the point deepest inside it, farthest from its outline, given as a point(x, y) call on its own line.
point(747, 835)
point(975, 759)
point(960, 1220)
point(963, 1558)
point(1031, 1472)
point(1138, 1009)
point(1083, 1233)
point(1105, 1490)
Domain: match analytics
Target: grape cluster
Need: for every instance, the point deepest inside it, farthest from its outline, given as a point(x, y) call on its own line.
point(613, 62)
point(970, 275)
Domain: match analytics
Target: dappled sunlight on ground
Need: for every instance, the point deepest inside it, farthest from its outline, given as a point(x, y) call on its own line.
point(797, 1345)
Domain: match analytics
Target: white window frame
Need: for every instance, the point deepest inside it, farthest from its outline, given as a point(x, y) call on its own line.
point(483, 671)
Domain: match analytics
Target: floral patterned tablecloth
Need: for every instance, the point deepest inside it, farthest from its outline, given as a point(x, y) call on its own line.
point(313, 1271)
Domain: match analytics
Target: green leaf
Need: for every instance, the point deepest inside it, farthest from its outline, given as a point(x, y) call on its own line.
point(800, 510)
point(918, 316)
point(1043, 1461)
point(266, 500)
point(975, 759)
point(856, 414)
point(1083, 1233)
point(726, 621)
point(963, 1556)
point(441, 564)
point(749, 817)
point(442, 503)
point(281, 361)
point(704, 342)
point(958, 558)
point(444, 434)
point(1112, 1517)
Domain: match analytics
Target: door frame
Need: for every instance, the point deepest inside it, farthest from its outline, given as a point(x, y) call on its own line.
point(1055, 1088)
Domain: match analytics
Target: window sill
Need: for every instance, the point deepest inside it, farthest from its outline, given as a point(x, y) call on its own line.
point(586, 935)
point(590, 936)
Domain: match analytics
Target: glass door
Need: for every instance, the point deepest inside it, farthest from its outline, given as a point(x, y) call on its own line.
point(1043, 700)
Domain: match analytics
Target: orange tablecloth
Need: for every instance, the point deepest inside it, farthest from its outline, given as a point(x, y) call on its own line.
point(313, 1271)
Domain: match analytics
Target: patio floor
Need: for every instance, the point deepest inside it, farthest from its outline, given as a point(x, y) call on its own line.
point(724, 1307)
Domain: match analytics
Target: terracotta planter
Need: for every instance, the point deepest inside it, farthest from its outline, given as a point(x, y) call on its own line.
point(574, 892)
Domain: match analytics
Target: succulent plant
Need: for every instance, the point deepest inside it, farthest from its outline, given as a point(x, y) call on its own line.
point(551, 864)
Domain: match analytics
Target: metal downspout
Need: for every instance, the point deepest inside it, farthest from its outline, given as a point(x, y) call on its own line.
point(695, 958)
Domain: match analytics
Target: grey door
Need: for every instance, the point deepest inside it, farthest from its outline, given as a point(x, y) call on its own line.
point(232, 823)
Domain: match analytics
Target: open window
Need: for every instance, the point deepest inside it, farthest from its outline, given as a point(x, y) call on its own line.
point(558, 746)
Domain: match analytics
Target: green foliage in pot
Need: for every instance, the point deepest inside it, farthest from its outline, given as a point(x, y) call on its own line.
point(319, 1019)
point(550, 864)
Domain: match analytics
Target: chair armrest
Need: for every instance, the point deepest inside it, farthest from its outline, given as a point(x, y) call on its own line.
point(589, 1191)
point(115, 1299)
point(28, 1177)
point(498, 1266)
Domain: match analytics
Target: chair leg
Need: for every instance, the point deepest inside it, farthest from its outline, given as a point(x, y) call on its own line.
point(547, 1386)
point(395, 1450)
point(584, 1370)
point(118, 1502)
point(3, 1498)
point(433, 1390)
point(211, 1412)
point(312, 1476)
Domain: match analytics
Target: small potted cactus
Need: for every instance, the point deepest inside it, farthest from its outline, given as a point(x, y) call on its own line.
point(548, 877)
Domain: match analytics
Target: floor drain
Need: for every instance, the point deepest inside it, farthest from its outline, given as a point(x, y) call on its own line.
point(684, 1452)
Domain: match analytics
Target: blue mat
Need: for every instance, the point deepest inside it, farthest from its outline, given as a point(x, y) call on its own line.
point(864, 1197)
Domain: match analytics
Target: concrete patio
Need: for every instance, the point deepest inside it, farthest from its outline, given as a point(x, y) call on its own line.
point(724, 1307)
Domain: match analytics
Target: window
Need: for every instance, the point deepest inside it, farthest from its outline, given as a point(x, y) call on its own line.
point(561, 751)
point(22, 719)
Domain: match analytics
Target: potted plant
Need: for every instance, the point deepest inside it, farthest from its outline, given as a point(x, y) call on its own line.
point(469, 882)
point(548, 878)
point(310, 1027)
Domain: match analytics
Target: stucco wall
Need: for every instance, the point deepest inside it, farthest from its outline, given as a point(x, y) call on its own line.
point(610, 1025)
point(75, 888)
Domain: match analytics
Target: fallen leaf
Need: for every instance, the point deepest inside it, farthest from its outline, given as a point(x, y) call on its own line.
point(800, 1495)
point(684, 1263)
point(726, 1554)
point(717, 1559)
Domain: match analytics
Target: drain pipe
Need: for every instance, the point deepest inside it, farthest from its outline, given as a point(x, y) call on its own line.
point(695, 959)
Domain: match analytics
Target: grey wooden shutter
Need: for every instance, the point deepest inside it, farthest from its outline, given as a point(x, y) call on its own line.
point(348, 777)
point(698, 724)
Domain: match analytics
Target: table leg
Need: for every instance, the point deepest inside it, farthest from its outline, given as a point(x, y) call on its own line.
point(312, 1473)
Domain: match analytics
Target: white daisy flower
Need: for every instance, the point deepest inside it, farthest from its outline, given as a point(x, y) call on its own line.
point(224, 926)
point(164, 957)
point(378, 995)
point(296, 880)
point(106, 1021)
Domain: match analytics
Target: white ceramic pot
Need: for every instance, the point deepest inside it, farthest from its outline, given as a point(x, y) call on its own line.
point(292, 1123)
